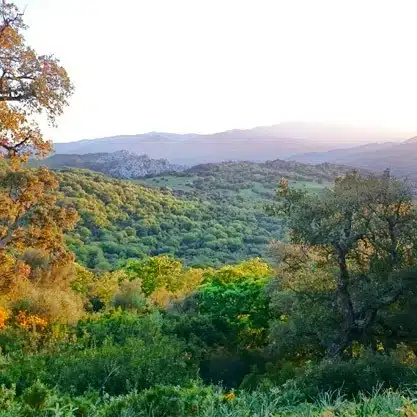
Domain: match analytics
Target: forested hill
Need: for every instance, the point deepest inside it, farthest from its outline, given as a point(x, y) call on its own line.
point(127, 165)
point(122, 220)
point(209, 215)
point(244, 181)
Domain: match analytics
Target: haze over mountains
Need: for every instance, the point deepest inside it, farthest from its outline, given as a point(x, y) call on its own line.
point(258, 144)
point(400, 158)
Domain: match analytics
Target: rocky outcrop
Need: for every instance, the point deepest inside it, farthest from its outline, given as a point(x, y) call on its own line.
point(125, 164)
point(121, 164)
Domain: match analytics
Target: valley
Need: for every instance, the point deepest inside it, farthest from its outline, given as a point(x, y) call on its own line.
point(207, 215)
point(266, 271)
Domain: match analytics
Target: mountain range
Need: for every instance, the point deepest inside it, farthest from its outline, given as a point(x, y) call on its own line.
point(258, 144)
point(400, 158)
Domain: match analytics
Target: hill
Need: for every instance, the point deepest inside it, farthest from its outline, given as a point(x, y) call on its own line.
point(120, 164)
point(257, 144)
point(244, 180)
point(208, 215)
point(401, 157)
point(122, 220)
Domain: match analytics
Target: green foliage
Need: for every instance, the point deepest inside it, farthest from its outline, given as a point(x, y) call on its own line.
point(357, 375)
point(36, 396)
point(242, 305)
point(121, 220)
point(7, 396)
point(157, 333)
point(116, 369)
point(156, 272)
point(167, 401)
point(353, 259)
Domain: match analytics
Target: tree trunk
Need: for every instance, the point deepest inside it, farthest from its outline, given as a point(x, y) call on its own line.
point(345, 304)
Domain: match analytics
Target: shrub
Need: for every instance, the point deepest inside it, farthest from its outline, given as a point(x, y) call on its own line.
point(118, 326)
point(116, 369)
point(164, 401)
point(7, 396)
point(357, 375)
point(130, 296)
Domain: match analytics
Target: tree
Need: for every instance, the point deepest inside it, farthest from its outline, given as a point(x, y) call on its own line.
point(30, 218)
point(156, 272)
point(362, 231)
point(31, 86)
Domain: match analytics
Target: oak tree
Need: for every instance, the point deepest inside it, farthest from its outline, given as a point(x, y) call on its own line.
point(355, 255)
point(31, 86)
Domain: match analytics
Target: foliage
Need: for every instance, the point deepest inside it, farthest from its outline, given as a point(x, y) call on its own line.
point(31, 220)
point(361, 374)
point(170, 401)
point(29, 84)
point(156, 272)
point(148, 319)
point(354, 261)
point(112, 354)
point(122, 221)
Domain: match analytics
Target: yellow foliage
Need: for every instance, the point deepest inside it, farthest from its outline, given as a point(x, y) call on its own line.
point(105, 286)
point(31, 322)
point(328, 413)
point(4, 315)
point(230, 396)
point(254, 268)
point(29, 215)
point(408, 410)
point(30, 218)
point(83, 280)
point(47, 293)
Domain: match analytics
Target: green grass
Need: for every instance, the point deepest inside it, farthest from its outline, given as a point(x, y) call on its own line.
point(275, 402)
point(170, 181)
point(310, 186)
point(256, 191)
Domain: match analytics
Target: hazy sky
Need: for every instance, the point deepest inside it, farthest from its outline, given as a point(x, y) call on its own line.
point(211, 65)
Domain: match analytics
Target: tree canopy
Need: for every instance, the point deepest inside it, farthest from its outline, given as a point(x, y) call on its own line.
point(355, 254)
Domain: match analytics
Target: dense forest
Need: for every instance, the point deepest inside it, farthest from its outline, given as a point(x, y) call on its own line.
point(120, 220)
point(229, 290)
point(207, 216)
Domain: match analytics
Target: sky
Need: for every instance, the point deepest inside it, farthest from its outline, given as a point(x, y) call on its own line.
point(210, 65)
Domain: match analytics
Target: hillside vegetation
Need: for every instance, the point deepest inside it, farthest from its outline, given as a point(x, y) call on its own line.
point(120, 220)
point(245, 179)
point(98, 318)
point(207, 215)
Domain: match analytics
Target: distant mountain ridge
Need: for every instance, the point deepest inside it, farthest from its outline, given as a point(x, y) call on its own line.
point(400, 158)
point(121, 164)
point(258, 144)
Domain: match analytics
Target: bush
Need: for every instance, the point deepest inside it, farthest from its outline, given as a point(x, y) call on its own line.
point(164, 401)
point(116, 369)
point(118, 326)
point(357, 375)
point(130, 296)
point(7, 396)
